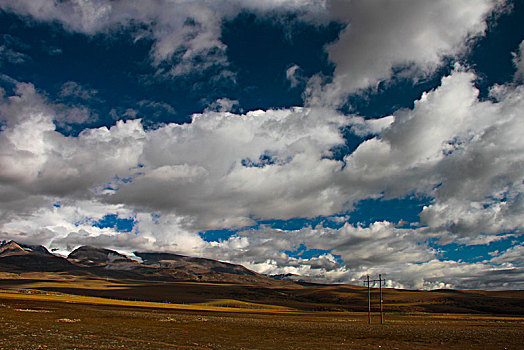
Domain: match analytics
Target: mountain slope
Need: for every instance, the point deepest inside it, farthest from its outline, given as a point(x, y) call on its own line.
point(163, 267)
point(106, 263)
point(193, 265)
point(11, 248)
point(35, 249)
point(94, 256)
point(16, 257)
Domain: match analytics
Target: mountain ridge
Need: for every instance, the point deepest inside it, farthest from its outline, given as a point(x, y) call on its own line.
point(26, 258)
point(174, 278)
point(15, 248)
point(105, 262)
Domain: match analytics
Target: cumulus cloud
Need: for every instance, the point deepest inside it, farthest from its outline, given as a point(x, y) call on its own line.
point(518, 61)
point(383, 38)
point(293, 75)
point(436, 274)
point(11, 50)
point(380, 243)
point(71, 224)
point(228, 169)
point(11, 56)
point(400, 255)
point(186, 34)
point(223, 169)
point(40, 161)
point(193, 170)
point(513, 257)
point(222, 105)
point(155, 109)
point(204, 175)
point(380, 36)
point(72, 89)
point(454, 148)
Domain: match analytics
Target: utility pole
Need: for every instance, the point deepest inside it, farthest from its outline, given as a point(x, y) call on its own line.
point(380, 285)
point(369, 303)
point(368, 281)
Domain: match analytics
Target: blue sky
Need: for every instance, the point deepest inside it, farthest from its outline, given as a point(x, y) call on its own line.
point(328, 139)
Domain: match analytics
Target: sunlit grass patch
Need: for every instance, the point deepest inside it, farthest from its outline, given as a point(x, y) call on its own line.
point(68, 298)
point(231, 303)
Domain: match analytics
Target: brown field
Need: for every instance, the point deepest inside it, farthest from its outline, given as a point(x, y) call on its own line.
point(55, 311)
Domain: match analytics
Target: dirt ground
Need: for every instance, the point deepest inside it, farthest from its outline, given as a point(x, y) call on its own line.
point(26, 324)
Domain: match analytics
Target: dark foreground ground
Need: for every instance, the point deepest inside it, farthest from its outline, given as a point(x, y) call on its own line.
point(28, 324)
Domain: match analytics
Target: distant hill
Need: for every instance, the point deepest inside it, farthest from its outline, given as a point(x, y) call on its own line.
point(13, 248)
point(16, 257)
point(102, 262)
point(197, 266)
point(174, 278)
point(290, 277)
point(94, 256)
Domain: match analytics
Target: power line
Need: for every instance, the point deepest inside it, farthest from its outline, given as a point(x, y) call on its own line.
point(368, 281)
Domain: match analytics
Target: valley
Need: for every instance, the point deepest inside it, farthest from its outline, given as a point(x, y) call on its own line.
point(97, 298)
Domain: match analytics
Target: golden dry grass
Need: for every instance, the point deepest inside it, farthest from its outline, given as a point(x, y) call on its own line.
point(306, 298)
point(216, 306)
point(63, 311)
point(40, 323)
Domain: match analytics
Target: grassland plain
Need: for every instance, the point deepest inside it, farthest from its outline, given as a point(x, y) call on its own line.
point(39, 324)
point(57, 311)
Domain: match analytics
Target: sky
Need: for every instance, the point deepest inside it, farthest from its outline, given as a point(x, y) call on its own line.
point(323, 138)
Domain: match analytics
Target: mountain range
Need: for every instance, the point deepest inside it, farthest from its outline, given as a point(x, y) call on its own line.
point(17, 257)
point(173, 278)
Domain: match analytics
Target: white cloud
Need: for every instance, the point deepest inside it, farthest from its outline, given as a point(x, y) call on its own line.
point(384, 36)
point(12, 50)
point(518, 60)
point(38, 161)
point(155, 109)
point(211, 182)
point(451, 274)
point(193, 170)
point(224, 170)
point(463, 152)
point(229, 169)
point(72, 89)
point(514, 256)
point(380, 243)
point(222, 105)
point(11, 56)
point(380, 36)
point(186, 34)
point(293, 75)
point(399, 254)
point(72, 223)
